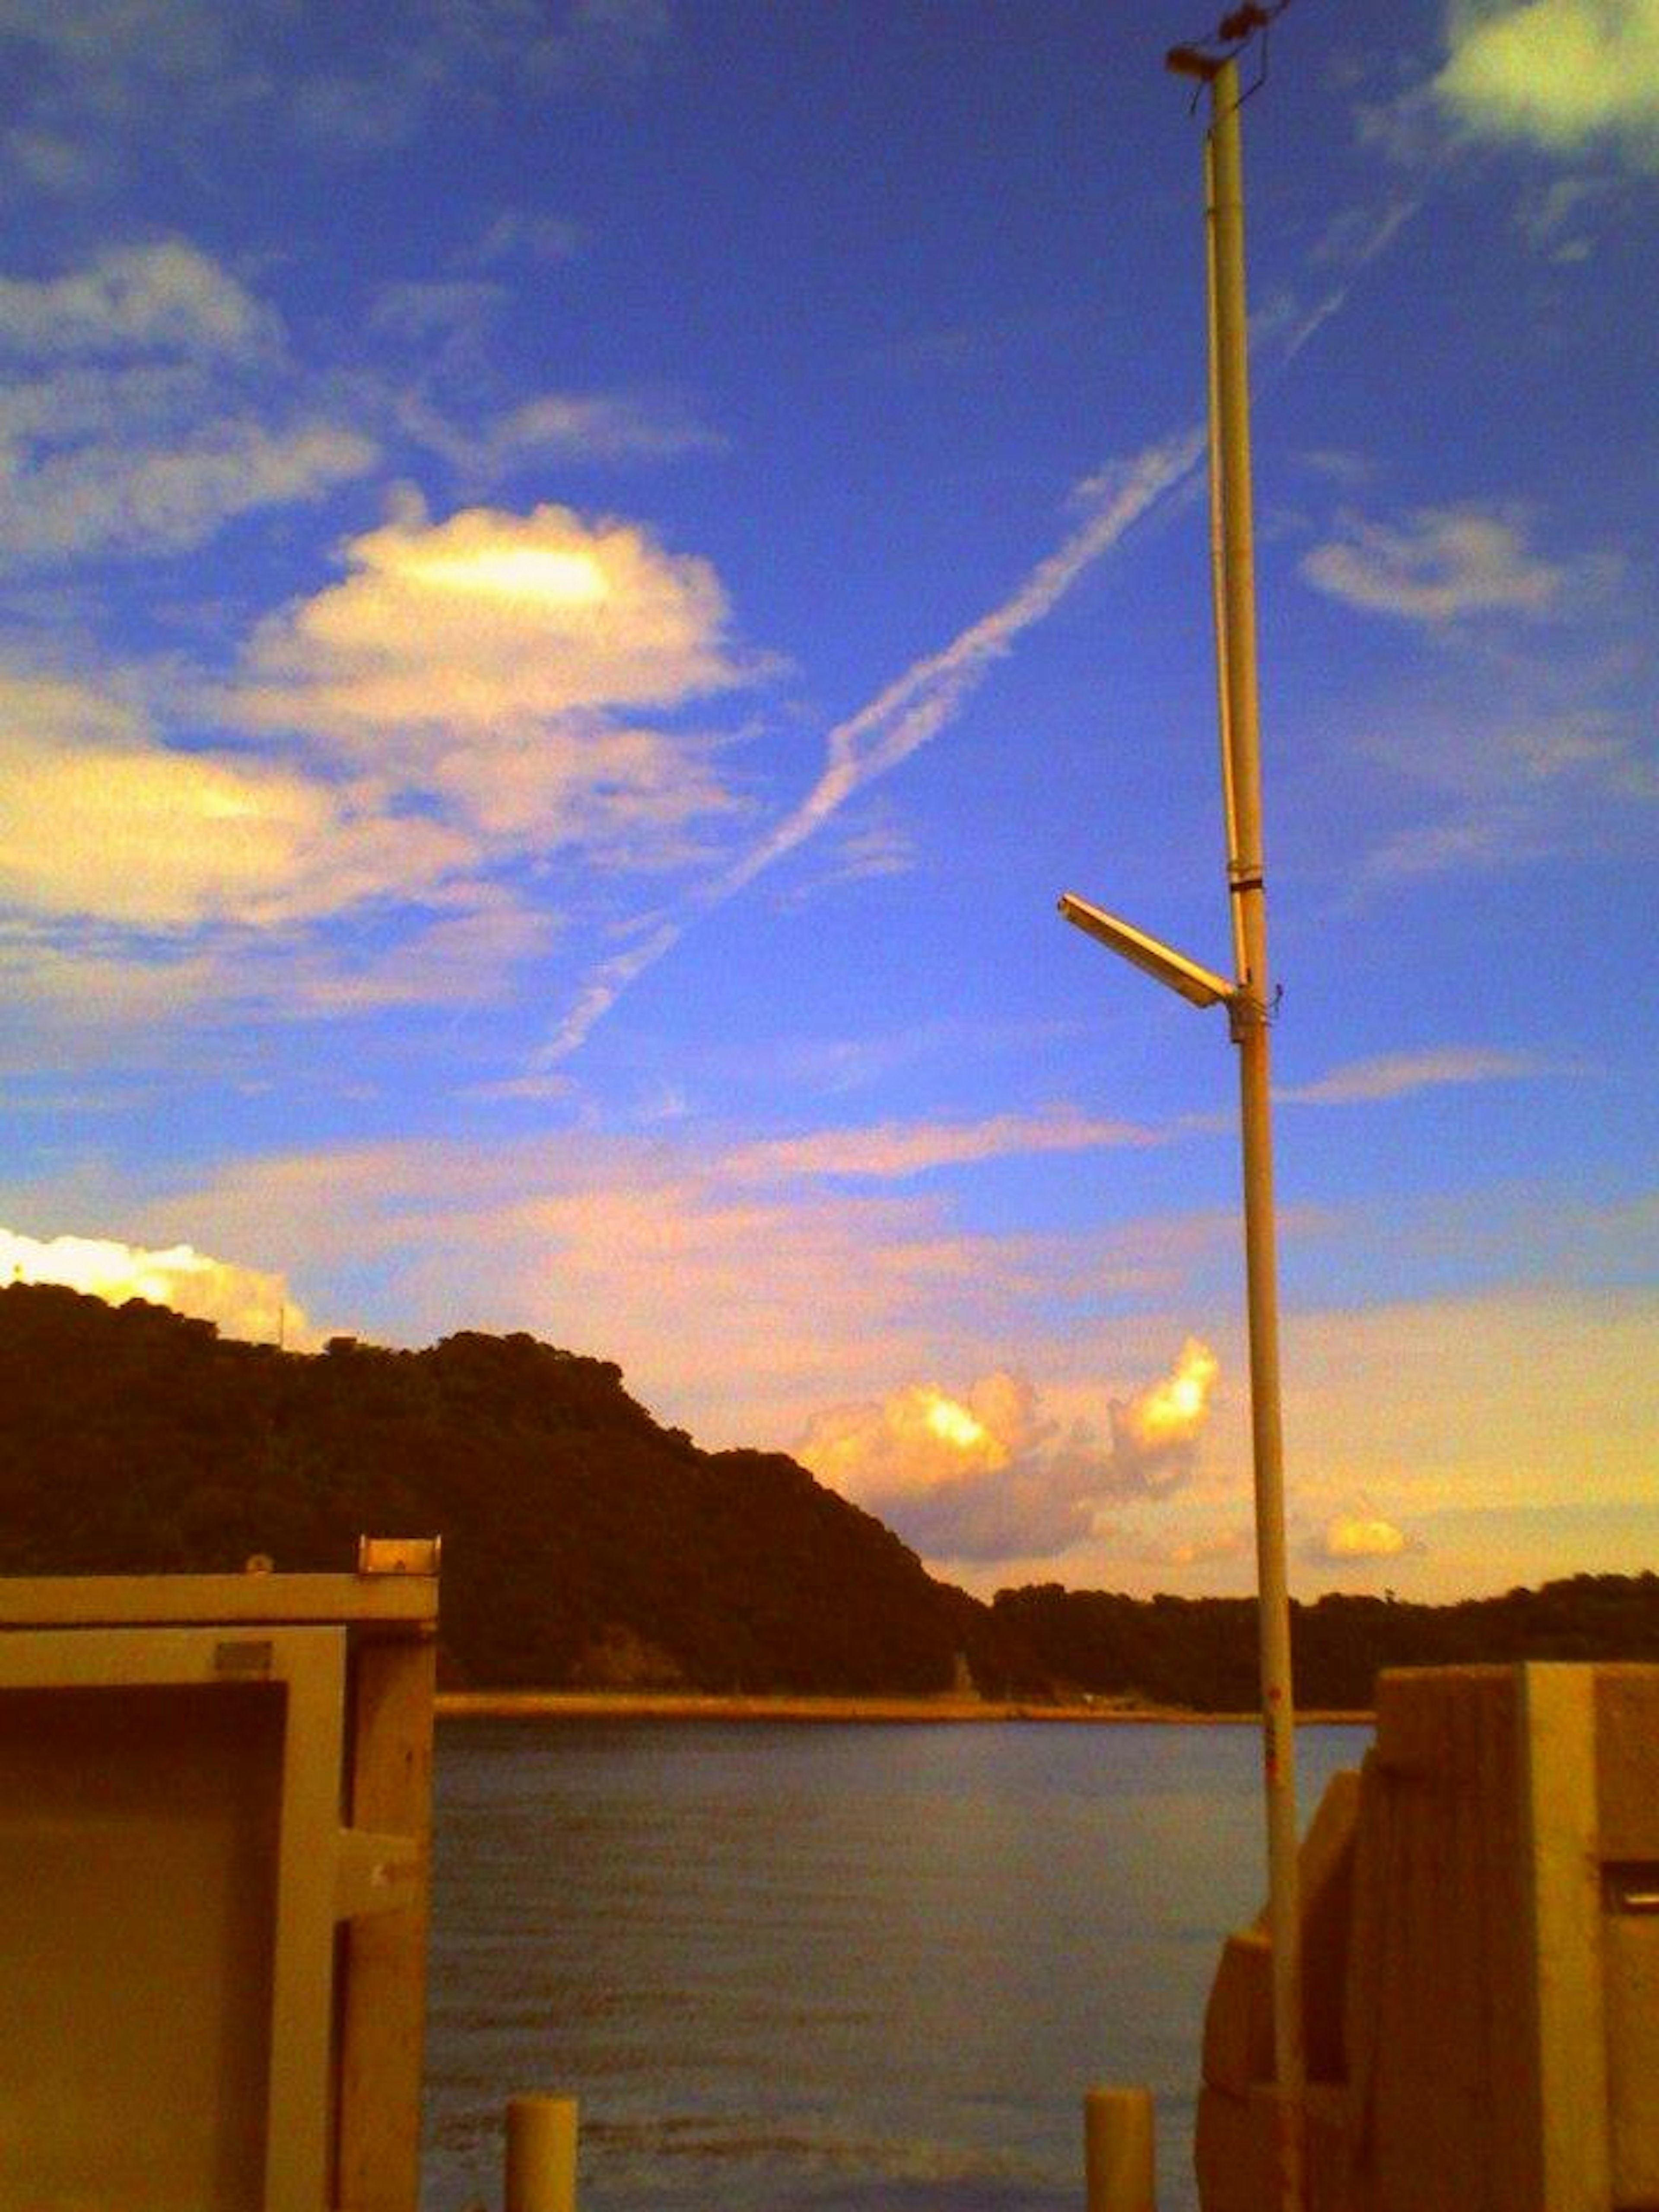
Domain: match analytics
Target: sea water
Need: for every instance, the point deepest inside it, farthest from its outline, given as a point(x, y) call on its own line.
point(792, 1967)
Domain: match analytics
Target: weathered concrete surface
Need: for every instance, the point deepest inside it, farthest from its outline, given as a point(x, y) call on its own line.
point(1481, 1942)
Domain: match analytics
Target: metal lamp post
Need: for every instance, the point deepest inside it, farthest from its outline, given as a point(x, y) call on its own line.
point(1249, 1000)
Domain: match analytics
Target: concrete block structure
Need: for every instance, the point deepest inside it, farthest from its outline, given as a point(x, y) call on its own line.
point(1480, 1926)
point(215, 1818)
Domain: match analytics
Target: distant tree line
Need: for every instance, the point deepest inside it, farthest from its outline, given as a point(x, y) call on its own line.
point(585, 1542)
point(1201, 1652)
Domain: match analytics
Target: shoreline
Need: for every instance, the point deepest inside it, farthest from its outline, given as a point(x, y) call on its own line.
point(695, 1706)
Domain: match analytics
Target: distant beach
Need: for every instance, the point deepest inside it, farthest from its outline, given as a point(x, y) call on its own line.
point(692, 1705)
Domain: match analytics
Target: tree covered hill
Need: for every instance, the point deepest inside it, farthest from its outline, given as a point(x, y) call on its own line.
point(582, 1541)
point(586, 1543)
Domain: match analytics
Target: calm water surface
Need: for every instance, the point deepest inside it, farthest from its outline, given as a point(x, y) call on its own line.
point(787, 1968)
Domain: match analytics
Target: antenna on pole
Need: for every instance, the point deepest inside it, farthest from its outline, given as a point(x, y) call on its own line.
point(1206, 59)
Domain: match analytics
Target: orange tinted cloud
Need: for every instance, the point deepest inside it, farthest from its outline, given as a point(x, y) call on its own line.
point(1361, 1535)
point(97, 817)
point(993, 1475)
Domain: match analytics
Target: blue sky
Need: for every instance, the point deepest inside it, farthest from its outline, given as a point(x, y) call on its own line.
point(576, 579)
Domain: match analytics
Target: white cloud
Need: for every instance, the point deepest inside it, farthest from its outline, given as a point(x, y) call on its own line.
point(583, 428)
point(92, 78)
point(1576, 780)
point(1439, 565)
point(895, 1149)
point(368, 113)
point(1556, 74)
point(84, 400)
point(136, 497)
point(600, 427)
point(879, 847)
point(486, 660)
point(1341, 466)
point(1399, 1074)
point(165, 298)
point(979, 1477)
point(464, 957)
point(912, 710)
point(245, 1302)
point(453, 703)
point(1155, 1435)
point(1284, 323)
point(1491, 838)
point(1407, 127)
point(152, 430)
point(596, 38)
point(920, 1438)
point(883, 848)
point(1555, 218)
point(1354, 237)
point(1583, 744)
point(917, 705)
point(168, 75)
point(78, 982)
point(457, 624)
point(536, 1090)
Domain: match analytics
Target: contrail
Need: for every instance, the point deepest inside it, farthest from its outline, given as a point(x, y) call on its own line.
point(606, 984)
point(919, 704)
point(903, 716)
point(1381, 235)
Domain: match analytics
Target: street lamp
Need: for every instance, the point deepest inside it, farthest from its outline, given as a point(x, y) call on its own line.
point(1249, 1005)
point(1199, 986)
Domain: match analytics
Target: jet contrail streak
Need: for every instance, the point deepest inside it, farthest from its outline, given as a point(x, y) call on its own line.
point(931, 693)
point(903, 716)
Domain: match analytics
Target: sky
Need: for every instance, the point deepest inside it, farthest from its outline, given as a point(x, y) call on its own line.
point(578, 576)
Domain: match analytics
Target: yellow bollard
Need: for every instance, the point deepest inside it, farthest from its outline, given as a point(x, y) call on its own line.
point(541, 2155)
point(1118, 2150)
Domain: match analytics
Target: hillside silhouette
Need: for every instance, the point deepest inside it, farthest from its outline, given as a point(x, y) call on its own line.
point(582, 1541)
point(586, 1543)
